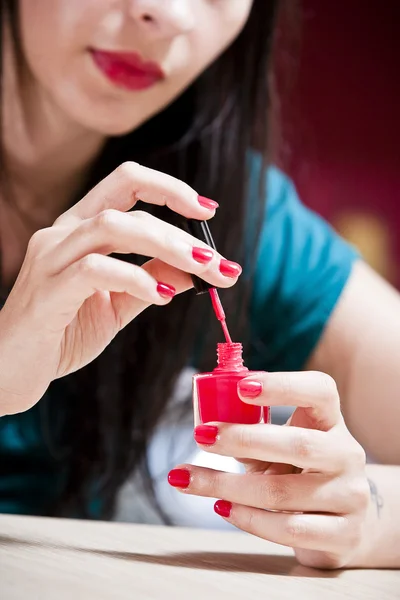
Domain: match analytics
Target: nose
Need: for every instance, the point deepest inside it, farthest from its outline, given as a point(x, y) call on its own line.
point(163, 18)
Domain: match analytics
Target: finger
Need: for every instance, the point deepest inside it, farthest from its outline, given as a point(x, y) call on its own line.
point(324, 533)
point(96, 272)
point(308, 389)
point(308, 492)
point(131, 182)
point(143, 234)
point(129, 307)
point(332, 452)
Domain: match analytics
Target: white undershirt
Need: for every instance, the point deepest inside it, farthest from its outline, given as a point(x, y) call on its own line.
point(171, 445)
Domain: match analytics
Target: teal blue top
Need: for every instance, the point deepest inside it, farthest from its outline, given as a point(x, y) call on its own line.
point(302, 267)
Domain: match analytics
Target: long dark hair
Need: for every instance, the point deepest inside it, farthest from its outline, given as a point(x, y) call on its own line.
point(204, 138)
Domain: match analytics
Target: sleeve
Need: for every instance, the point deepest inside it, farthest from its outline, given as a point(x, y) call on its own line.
point(302, 266)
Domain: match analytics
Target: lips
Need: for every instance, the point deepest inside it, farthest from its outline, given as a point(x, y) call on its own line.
point(127, 69)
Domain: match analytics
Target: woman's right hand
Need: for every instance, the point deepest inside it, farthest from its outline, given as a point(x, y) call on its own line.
point(71, 298)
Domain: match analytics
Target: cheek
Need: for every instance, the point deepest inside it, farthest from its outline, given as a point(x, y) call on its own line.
point(53, 30)
point(220, 26)
point(234, 16)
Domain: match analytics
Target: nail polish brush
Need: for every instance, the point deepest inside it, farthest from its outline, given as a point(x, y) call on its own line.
point(201, 231)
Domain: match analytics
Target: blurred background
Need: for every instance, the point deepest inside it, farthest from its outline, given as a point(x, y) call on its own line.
point(337, 119)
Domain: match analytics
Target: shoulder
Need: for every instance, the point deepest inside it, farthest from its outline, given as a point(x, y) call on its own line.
point(301, 268)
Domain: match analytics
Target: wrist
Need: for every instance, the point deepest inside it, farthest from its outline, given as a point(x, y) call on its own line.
point(23, 369)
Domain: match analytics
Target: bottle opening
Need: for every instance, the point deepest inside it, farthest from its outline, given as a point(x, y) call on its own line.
point(230, 356)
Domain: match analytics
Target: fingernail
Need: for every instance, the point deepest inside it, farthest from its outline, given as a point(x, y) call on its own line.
point(249, 389)
point(229, 268)
point(223, 508)
point(207, 203)
point(202, 255)
point(206, 434)
point(165, 290)
point(179, 478)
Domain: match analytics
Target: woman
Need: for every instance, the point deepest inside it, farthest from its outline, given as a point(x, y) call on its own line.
point(108, 102)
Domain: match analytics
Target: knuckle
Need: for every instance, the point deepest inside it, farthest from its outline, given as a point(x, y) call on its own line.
point(141, 216)
point(249, 520)
point(302, 446)
point(359, 457)
point(286, 385)
point(61, 219)
point(360, 494)
point(88, 264)
point(347, 532)
point(107, 219)
point(273, 495)
point(37, 241)
point(297, 530)
point(354, 533)
point(328, 386)
point(168, 239)
point(244, 439)
point(127, 170)
point(214, 484)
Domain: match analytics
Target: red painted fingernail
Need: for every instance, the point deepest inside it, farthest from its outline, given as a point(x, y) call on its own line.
point(223, 508)
point(249, 389)
point(207, 203)
point(202, 255)
point(206, 434)
point(229, 268)
point(165, 290)
point(179, 478)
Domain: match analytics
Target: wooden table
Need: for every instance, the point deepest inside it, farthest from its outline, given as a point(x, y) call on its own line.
point(52, 559)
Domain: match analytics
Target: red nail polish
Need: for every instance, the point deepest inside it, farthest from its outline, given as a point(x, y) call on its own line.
point(202, 255)
point(215, 394)
point(165, 290)
point(206, 434)
point(179, 478)
point(223, 508)
point(207, 203)
point(229, 268)
point(250, 389)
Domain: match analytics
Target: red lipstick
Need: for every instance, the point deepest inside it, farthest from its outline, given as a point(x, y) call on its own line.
point(127, 69)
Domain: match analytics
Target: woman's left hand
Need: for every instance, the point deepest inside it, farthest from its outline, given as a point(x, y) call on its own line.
point(305, 484)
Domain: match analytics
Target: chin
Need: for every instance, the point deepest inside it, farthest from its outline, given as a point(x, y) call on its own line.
point(104, 114)
point(113, 120)
point(110, 126)
point(106, 119)
point(108, 111)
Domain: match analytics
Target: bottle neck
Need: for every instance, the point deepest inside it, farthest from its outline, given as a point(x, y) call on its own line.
point(230, 357)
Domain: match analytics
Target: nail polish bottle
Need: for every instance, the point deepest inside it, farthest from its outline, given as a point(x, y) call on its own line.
point(215, 396)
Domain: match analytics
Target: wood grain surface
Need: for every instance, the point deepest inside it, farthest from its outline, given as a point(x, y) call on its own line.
point(53, 559)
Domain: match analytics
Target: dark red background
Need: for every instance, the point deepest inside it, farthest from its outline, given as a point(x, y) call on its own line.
point(338, 84)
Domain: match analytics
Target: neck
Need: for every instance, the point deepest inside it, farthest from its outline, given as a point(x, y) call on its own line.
point(46, 154)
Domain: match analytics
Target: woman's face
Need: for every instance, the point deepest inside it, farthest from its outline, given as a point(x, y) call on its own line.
point(109, 65)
